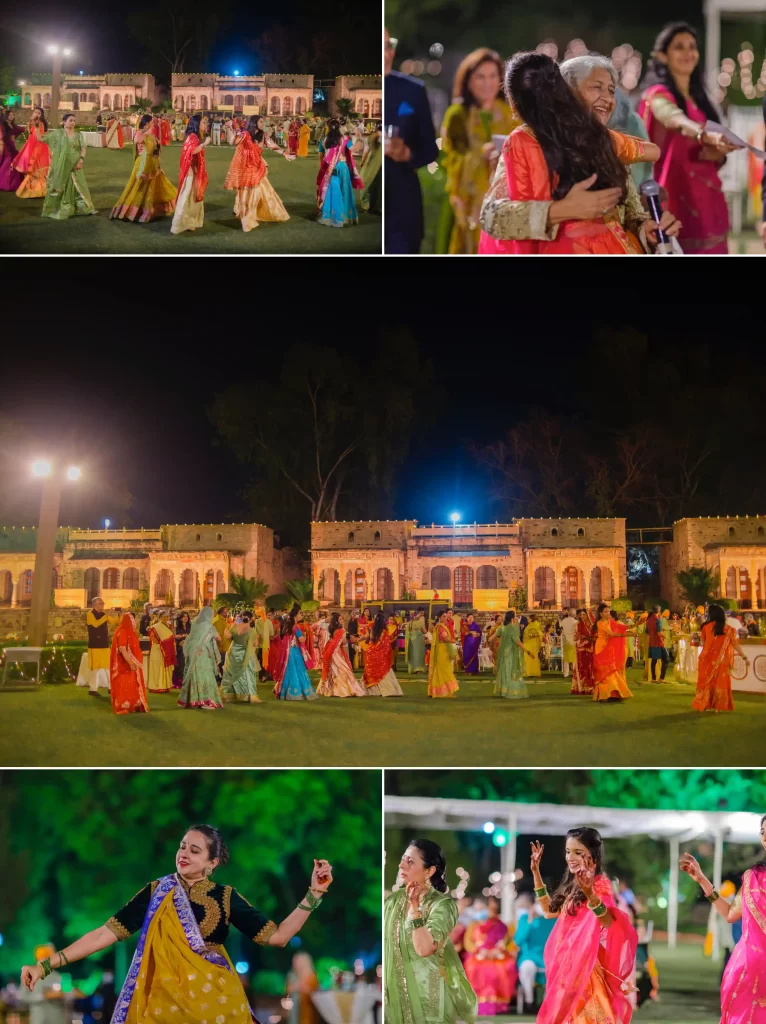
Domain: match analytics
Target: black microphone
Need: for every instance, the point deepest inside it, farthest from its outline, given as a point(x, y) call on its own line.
point(650, 190)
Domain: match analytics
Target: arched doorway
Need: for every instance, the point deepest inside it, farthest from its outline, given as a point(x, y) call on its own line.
point(544, 595)
point(348, 589)
point(384, 585)
point(209, 591)
point(75, 101)
point(130, 579)
point(570, 587)
point(441, 577)
point(111, 579)
point(92, 583)
point(164, 587)
point(601, 584)
point(330, 588)
point(462, 591)
point(360, 586)
point(6, 587)
point(220, 583)
point(274, 105)
point(188, 588)
point(486, 577)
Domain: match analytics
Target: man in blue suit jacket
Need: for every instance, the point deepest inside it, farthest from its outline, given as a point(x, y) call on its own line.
point(413, 145)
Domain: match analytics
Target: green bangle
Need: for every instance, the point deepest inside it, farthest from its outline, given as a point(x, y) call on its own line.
point(302, 906)
point(46, 966)
point(63, 959)
point(418, 922)
point(599, 910)
point(312, 900)
point(713, 895)
point(542, 892)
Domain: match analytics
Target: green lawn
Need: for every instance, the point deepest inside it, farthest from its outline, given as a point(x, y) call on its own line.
point(62, 726)
point(689, 990)
point(23, 230)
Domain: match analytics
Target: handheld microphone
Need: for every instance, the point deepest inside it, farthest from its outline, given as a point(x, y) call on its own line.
point(650, 190)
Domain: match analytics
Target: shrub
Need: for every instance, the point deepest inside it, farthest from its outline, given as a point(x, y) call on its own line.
point(622, 604)
point(278, 602)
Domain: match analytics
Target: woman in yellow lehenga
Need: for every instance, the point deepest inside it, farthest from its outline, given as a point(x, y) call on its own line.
point(162, 656)
point(533, 641)
point(477, 113)
point(149, 192)
point(181, 970)
point(441, 677)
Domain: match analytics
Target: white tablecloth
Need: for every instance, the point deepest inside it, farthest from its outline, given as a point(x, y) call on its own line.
point(97, 139)
point(93, 680)
point(744, 678)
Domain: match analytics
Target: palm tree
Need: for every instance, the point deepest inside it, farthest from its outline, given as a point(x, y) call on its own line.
point(141, 106)
point(345, 106)
point(245, 590)
point(300, 590)
point(698, 585)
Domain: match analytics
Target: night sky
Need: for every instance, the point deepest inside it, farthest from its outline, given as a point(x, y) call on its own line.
point(134, 415)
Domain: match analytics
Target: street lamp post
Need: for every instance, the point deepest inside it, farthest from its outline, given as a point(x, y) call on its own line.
point(46, 548)
point(57, 53)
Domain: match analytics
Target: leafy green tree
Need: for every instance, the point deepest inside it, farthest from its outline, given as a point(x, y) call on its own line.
point(300, 591)
point(247, 590)
point(345, 106)
point(698, 584)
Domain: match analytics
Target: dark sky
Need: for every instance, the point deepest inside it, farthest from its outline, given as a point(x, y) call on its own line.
point(101, 42)
point(132, 402)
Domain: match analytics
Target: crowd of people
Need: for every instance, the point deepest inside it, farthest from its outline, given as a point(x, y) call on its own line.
point(546, 158)
point(583, 945)
point(218, 657)
point(51, 166)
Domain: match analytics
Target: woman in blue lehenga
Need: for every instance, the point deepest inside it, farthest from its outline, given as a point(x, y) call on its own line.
point(337, 179)
point(293, 682)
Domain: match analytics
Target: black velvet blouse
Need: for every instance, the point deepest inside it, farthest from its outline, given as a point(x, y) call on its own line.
point(215, 907)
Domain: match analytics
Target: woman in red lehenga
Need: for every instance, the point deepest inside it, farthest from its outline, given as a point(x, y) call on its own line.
point(255, 198)
point(719, 645)
point(34, 159)
point(489, 967)
point(128, 690)
point(582, 678)
point(338, 679)
point(378, 674)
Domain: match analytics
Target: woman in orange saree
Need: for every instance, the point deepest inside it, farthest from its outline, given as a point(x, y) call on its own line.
point(608, 675)
point(591, 952)
point(128, 690)
point(34, 159)
point(379, 675)
point(719, 645)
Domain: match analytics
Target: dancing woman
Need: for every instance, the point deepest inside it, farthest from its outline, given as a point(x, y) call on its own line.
point(509, 664)
point(424, 980)
point(379, 675)
point(181, 968)
point(338, 679)
point(719, 645)
point(241, 668)
point(743, 990)
point(582, 678)
point(127, 688)
point(533, 642)
point(201, 656)
point(162, 655)
point(471, 639)
point(190, 208)
point(415, 635)
point(337, 179)
point(291, 675)
point(591, 951)
point(441, 676)
point(609, 681)
point(149, 192)
point(67, 194)
point(34, 158)
point(255, 198)
point(10, 179)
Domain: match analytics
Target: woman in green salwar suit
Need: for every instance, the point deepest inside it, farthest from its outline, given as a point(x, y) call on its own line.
point(415, 635)
point(424, 979)
point(241, 668)
point(67, 193)
point(509, 678)
point(201, 654)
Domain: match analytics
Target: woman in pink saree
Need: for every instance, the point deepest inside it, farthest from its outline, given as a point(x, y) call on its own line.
point(489, 966)
point(743, 989)
point(675, 108)
point(591, 951)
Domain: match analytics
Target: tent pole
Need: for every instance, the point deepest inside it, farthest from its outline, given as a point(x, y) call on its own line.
point(717, 871)
point(673, 893)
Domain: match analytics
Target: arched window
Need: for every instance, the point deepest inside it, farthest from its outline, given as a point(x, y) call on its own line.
point(198, 536)
point(228, 100)
point(6, 586)
point(348, 589)
point(554, 532)
point(107, 101)
point(731, 531)
point(350, 535)
point(92, 98)
point(92, 581)
point(462, 591)
point(249, 100)
point(545, 587)
point(486, 578)
point(299, 105)
point(37, 99)
point(239, 102)
point(570, 587)
point(74, 99)
point(384, 585)
point(130, 579)
point(601, 584)
point(287, 105)
point(220, 583)
point(55, 579)
point(27, 100)
point(377, 108)
point(760, 531)
point(164, 587)
point(209, 585)
point(441, 577)
point(83, 97)
point(46, 100)
point(376, 535)
point(126, 102)
point(580, 532)
point(203, 102)
point(275, 104)
point(111, 579)
point(191, 102)
point(219, 536)
point(188, 588)
point(26, 579)
point(117, 102)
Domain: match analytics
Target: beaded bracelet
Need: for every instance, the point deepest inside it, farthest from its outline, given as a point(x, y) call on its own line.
point(542, 892)
point(713, 895)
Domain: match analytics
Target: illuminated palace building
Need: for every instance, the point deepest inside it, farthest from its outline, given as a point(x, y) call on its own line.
point(278, 94)
point(178, 565)
point(560, 563)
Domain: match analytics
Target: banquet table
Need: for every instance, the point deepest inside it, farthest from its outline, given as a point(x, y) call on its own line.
point(97, 139)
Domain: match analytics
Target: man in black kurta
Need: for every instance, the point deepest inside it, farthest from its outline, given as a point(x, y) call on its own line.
point(99, 646)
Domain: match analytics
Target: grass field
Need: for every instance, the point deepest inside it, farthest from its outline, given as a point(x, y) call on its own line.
point(23, 230)
point(62, 726)
point(689, 990)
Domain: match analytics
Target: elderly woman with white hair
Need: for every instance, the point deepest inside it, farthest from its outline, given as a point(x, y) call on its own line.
point(551, 215)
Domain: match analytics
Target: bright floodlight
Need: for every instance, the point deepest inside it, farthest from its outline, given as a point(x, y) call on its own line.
point(53, 49)
point(489, 827)
point(40, 467)
point(455, 517)
point(236, 72)
point(66, 52)
point(73, 473)
point(107, 523)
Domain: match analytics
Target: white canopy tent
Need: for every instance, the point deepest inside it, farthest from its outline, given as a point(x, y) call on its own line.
point(676, 827)
point(714, 9)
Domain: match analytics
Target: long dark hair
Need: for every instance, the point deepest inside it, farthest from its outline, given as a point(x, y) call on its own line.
point(288, 624)
point(717, 616)
point(461, 92)
point(762, 862)
point(378, 625)
point(216, 847)
point(335, 623)
point(568, 889)
point(574, 144)
point(43, 122)
point(192, 127)
point(334, 136)
point(145, 119)
point(252, 129)
point(594, 627)
point(433, 857)
point(509, 617)
point(658, 73)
